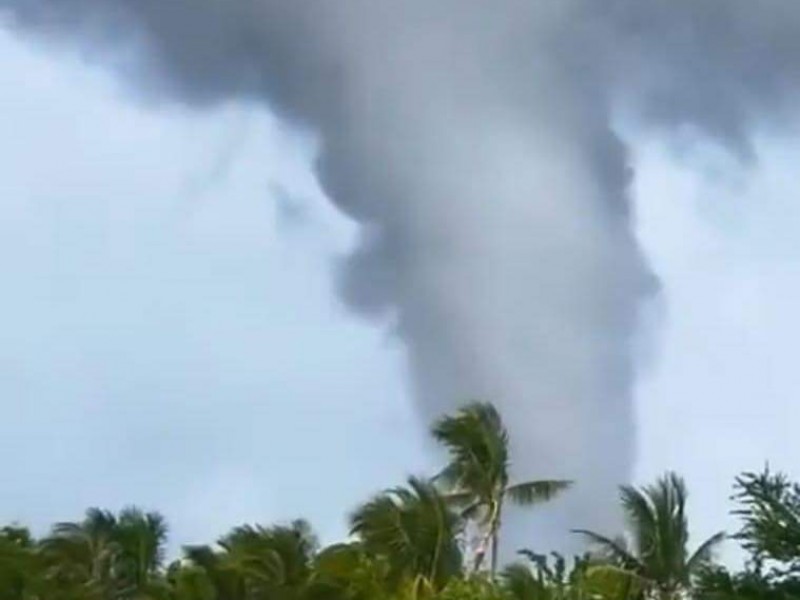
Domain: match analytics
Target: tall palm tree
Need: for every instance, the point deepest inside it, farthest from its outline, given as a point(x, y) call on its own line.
point(656, 547)
point(413, 529)
point(477, 476)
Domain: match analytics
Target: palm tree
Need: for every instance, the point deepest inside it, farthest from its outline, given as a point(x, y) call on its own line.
point(259, 562)
point(108, 556)
point(272, 560)
point(477, 476)
point(658, 533)
point(84, 552)
point(413, 529)
point(140, 540)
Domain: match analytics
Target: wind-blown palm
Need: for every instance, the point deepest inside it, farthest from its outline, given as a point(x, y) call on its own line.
point(477, 476)
point(106, 555)
point(275, 561)
point(259, 562)
point(84, 551)
point(140, 538)
point(415, 531)
point(658, 534)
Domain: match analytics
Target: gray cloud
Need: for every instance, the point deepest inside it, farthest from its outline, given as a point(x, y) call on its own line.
point(473, 143)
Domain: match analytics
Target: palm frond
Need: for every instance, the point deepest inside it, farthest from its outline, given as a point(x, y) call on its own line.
point(521, 584)
point(614, 550)
point(477, 443)
point(279, 555)
point(414, 529)
point(641, 519)
point(474, 512)
point(459, 498)
point(534, 492)
point(611, 582)
point(141, 538)
point(701, 557)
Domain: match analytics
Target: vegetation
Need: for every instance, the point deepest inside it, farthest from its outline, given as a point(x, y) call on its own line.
point(409, 543)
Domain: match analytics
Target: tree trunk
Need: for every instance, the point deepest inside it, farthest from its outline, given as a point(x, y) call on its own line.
point(480, 555)
point(489, 542)
point(495, 545)
point(494, 530)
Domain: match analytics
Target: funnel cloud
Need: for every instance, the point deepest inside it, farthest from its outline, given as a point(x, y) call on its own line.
point(474, 144)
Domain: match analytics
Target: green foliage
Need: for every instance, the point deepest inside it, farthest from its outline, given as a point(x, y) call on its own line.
point(140, 538)
point(474, 588)
point(406, 545)
point(18, 564)
point(658, 531)
point(584, 579)
point(717, 583)
point(349, 572)
point(769, 506)
point(106, 556)
point(190, 582)
point(413, 529)
point(255, 562)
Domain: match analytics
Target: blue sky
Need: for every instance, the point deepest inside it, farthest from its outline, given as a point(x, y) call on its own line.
point(171, 338)
point(721, 395)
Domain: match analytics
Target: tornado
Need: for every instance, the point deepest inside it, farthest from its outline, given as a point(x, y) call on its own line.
point(474, 143)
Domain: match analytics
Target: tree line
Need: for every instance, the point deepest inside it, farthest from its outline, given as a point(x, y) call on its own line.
point(431, 538)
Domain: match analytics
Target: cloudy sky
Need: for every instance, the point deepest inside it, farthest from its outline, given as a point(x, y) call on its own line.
point(170, 336)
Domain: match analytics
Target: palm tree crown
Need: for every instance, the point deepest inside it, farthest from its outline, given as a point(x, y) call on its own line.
point(413, 529)
point(656, 549)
